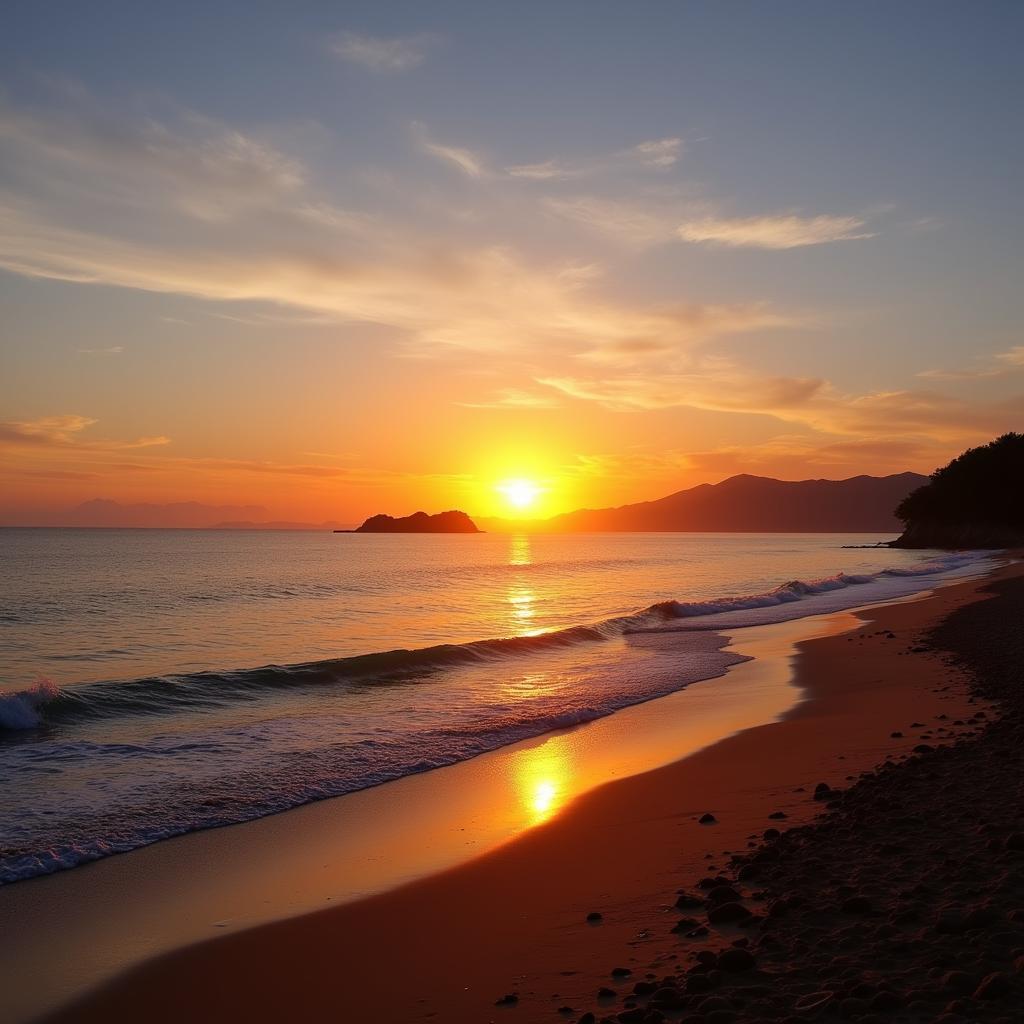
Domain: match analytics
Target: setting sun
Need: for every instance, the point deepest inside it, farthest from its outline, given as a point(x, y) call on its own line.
point(521, 494)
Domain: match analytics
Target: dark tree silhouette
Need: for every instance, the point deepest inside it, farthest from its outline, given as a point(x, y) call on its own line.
point(976, 500)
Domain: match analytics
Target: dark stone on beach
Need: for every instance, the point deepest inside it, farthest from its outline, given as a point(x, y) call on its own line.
point(634, 1016)
point(723, 894)
point(644, 988)
point(726, 912)
point(587, 1018)
point(710, 883)
point(994, 986)
point(604, 992)
point(823, 791)
point(668, 999)
point(771, 833)
point(594, 917)
point(697, 983)
point(813, 1002)
point(621, 972)
point(734, 960)
point(510, 999)
point(777, 815)
point(685, 925)
point(896, 735)
point(857, 905)
point(686, 901)
point(707, 819)
point(923, 748)
point(959, 982)
point(886, 1002)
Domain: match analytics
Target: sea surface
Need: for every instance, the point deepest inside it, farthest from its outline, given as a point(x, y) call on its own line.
point(154, 682)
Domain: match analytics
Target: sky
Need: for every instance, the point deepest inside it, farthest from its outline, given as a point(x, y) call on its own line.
point(333, 259)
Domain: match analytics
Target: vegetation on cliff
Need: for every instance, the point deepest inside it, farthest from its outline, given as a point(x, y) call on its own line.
point(976, 501)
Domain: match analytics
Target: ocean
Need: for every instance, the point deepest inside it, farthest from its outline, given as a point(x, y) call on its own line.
point(155, 682)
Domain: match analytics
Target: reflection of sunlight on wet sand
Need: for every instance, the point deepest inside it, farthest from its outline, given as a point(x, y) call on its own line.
point(541, 777)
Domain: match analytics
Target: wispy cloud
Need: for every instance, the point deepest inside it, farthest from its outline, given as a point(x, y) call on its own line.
point(1002, 364)
point(470, 163)
point(383, 54)
point(773, 231)
point(110, 350)
point(659, 153)
point(64, 432)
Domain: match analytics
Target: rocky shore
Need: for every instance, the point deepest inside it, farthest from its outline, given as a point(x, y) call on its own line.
point(903, 902)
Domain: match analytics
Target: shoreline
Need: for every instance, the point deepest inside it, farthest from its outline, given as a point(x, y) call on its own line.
point(514, 920)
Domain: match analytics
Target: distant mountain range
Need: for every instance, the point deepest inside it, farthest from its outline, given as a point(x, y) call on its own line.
point(740, 504)
point(747, 503)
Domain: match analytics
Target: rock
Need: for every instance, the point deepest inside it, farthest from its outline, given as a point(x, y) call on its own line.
point(857, 905)
point(510, 999)
point(822, 791)
point(777, 815)
point(886, 1002)
point(668, 999)
point(697, 983)
point(896, 735)
point(707, 819)
point(644, 988)
point(594, 916)
point(686, 901)
point(813, 1002)
point(621, 972)
point(587, 1018)
point(633, 1016)
point(995, 985)
point(771, 833)
point(959, 982)
point(604, 992)
point(923, 748)
point(685, 925)
point(735, 960)
point(726, 912)
point(723, 894)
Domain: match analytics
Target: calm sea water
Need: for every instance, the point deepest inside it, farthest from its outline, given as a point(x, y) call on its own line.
point(155, 682)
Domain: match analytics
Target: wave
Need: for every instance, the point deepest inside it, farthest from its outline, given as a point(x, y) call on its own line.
point(44, 704)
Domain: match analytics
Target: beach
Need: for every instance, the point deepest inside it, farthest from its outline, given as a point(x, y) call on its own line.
point(506, 935)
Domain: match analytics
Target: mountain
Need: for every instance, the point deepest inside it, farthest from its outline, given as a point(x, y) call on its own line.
point(418, 522)
point(970, 503)
point(754, 504)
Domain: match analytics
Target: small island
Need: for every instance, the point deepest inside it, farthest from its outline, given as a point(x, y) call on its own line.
point(418, 522)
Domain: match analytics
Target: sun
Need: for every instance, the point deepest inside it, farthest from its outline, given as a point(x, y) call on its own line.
point(521, 494)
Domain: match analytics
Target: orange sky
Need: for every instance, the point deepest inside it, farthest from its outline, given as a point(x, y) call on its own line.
point(356, 269)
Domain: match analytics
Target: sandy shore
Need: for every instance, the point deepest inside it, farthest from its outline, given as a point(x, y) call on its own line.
point(514, 922)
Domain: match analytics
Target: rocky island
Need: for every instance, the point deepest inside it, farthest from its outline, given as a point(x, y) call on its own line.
point(419, 522)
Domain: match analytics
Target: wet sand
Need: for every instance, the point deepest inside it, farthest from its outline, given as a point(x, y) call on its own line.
point(514, 922)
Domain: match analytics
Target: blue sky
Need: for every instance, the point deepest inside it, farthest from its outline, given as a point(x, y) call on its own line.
point(388, 253)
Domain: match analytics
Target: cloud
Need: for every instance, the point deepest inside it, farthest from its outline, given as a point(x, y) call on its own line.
point(629, 223)
point(465, 160)
point(776, 231)
point(724, 390)
point(130, 203)
point(110, 350)
point(1002, 364)
point(63, 432)
point(381, 54)
point(515, 398)
point(549, 170)
point(658, 153)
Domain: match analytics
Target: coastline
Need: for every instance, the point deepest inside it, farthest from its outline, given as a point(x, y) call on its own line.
point(514, 919)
